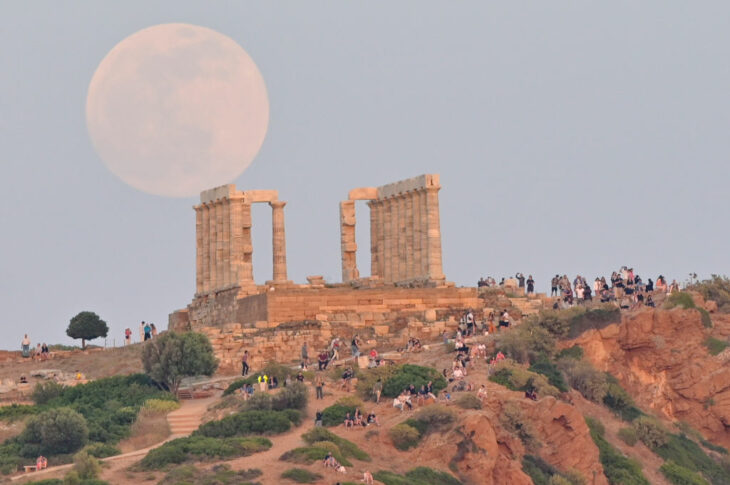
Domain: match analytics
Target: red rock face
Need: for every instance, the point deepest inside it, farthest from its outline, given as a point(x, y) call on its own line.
point(659, 357)
point(484, 453)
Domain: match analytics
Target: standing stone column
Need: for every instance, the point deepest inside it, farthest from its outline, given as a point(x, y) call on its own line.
point(198, 249)
point(348, 242)
point(246, 244)
point(417, 230)
point(374, 243)
point(211, 246)
point(218, 210)
point(387, 239)
point(395, 234)
point(278, 240)
point(226, 242)
point(408, 235)
point(435, 269)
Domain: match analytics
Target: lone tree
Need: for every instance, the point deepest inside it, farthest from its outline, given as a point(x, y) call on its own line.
point(172, 356)
point(87, 326)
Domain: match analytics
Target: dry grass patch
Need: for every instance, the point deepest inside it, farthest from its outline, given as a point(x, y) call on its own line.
point(150, 428)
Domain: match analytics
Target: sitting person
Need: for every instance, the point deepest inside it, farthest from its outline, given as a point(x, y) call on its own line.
point(482, 393)
point(329, 461)
point(398, 404)
point(458, 373)
point(372, 419)
point(349, 421)
point(23, 379)
point(445, 397)
point(318, 418)
point(531, 394)
point(357, 419)
point(405, 398)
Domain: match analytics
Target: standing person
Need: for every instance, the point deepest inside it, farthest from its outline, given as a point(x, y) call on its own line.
point(141, 331)
point(305, 355)
point(354, 346)
point(319, 385)
point(244, 363)
point(378, 390)
point(530, 285)
point(127, 336)
point(25, 346)
point(554, 286)
point(147, 332)
point(154, 329)
point(520, 280)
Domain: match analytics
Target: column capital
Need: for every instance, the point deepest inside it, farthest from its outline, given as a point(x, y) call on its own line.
point(277, 204)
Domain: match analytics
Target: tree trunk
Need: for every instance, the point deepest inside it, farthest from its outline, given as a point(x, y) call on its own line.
point(83, 344)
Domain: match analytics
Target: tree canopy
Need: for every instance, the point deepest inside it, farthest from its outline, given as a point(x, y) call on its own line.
point(172, 356)
point(87, 326)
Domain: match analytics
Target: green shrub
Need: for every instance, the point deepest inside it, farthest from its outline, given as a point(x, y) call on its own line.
point(417, 375)
point(55, 431)
point(217, 475)
point(539, 470)
point(688, 454)
point(160, 406)
point(101, 450)
point(715, 346)
point(201, 448)
point(300, 475)
point(650, 432)
point(72, 478)
point(247, 423)
point(17, 411)
point(348, 448)
point(47, 481)
point(716, 288)
point(585, 378)
point(310, 454)
point(619, 469)
point(436, 417)
point(680, 299)
point(628, 436)
point(574, 352)
point(548, 369)
point(526, 342)
point(705, 317)
point(513, 420)
point(468, 401)
point(619, 401)
point(335, 415)
point(404, 436)
point(294, 396)
point(417, 476)
point(239, 383)
point(260, 401)
point(46, 391)
point(517, 378)
point(86, 465)
point(367, 378)
point(679, 475)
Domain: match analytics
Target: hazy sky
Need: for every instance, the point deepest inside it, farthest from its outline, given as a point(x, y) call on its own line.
point(573, 137)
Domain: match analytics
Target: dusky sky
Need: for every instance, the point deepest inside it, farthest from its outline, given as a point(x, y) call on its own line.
point(571, 137)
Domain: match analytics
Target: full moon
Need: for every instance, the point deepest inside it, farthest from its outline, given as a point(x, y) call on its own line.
point(175, 109)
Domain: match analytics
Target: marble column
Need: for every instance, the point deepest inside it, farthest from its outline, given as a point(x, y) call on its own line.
point(198, 249)
point(246, 244)
point(387, 239)
point(395, 235)
point(278, 240)
point(218, 210)
point(408, 235)
point(226, 242)
point(210, 208)
point(374, 242)
point(348, 243)
point(417, 230)
point(435, 268)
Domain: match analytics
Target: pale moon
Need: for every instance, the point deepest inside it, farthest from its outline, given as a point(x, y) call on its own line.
point(175, 109)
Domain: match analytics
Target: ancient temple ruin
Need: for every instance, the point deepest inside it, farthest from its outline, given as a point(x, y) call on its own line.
point(406, 271)
point(224, 251)
point(405, 233)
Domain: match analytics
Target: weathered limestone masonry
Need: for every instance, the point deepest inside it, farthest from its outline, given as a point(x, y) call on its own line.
point(407, 294)
point(405, 233)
